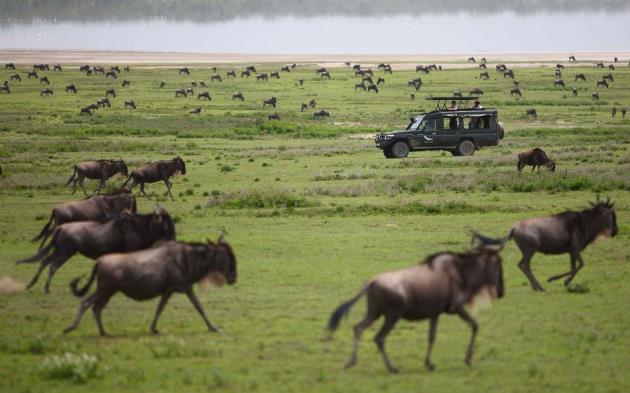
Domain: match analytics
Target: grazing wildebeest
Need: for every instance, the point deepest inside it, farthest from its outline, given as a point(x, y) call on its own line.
point(86, 111)
point(368, 79)
point(95, 208)
point(611, 67)
point(304, 107)
point(193, 84)
point(483, 60)
point(195, 111)
point(613, 111)
point(94, 107)
point(245, 73)
point(516, 91)
point(168, 268)
point(46, 92)
point(558, 73)
point(608, 77)
point(293, 66)
point(84, 68)
point(96, 170)
point(483, 65)
point(238, 96)
point(115, 68)
point(531, 112)
point(445, 283)
point(356, 67)
point(41, 67)
point(380, 81)
point(312, 104)
point(360, 86)
point(559, 65)
point(44, 79)
point(99, 69)
point(595, 96)
point(32, 75)
point(202, 84)
point(126, 83)
point(572, 58)
point(536, 158)
point(471, 59)
point(580, 77)
point(368, 72)
point(325, 74)
point(262, 76)
point(359, 73)
point(71, 89)
point(388, 69)
point(123, 233)
point(130, 104)
point(500, 67)
point(16, 77)
point(508, 73)
point(475, 92)
point(110, 92)
point(181, 93)
point(111, 74)
point(373, 88)
point(250, 68)
point(600, 65)
point(216, 78)
point(320, 70)
point(484, 75)
point(157, 171)
point(184, 71)
point(602, 83)
point(273, 116)
point(103, 102)
point(205, 95)
point(126, 68)
point(230, 73)
point(321, 114)
point(414, 82)
point(423, 69)
point(5, 89)
point(274, 74)
point(574, 91)
point(190, 91)
point(162, 84)
point(9, 66)
point(567, 232)
point(270, 102)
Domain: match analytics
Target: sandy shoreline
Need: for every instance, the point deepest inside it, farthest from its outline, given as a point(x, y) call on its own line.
point(399, 61)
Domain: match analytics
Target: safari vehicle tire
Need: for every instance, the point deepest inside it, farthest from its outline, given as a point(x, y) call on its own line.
point(466, 148)
point(387, 152)
point(400, 149)
point(501, 131)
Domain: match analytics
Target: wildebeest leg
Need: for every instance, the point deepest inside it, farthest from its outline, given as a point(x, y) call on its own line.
point(524, 265)
point(163, 302)
point(358, 330)
point(100, 301)
point(42, 266)
point(142, 190)
point(168, 188)
point(388, 325)
point(473, 325)
point(100, 186)
point(580, 265)
point(56, 261)
point(85, 304)
point(81, 185)
point(432, 330)
point(195, 302)
point(570, 272)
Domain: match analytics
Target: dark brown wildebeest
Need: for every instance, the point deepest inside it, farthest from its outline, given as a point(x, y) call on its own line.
point(475, 92)
point(273, 116)
point(600, 65)
point(111, 74)
point(205, 95)
point(611, 67)
point(246, 73)
point(567, 232)
point(250, 68)
point(16, 77)
point(216, 78)
point(44, 79)
point(190, 91)
point(471, 59)
point(483, 60)
point(412, 96)
point(325, 74)
point(613, 111)
point(270, 102)
point(184, 71)
point(46, 92)
point(193, 84)
point(360, 86)
point(9, 66)
point(71, 89)
point(484, 75)
point(41, 67)
point(86, 111)
point(231, 73)
point(168, 268)
point(367, 79)
point(445, 283)
point(608, 77)
point(293, 66)
point(32, 75)
point(359, 73)
point(320, 70)
point(516, 91)
point(238, 96)
point(380, 81)
point(356, 67)
point(96, 170)
point(321, 114)
point(115, 68)
point(500, 67)
point(414, 82)
point(368, 72)
point(157, 171)
point(423, 69)
point(126, 83)
point(560, 66)
point(123, 233)
point(263, 77)
point(580, 77)
point(5, 89)
point(312, 104)
point(373, 88)
point(574, 91)
point(602, 83)
point(126, 68)
point(93, 107)
point(304, 107)
point(195, 111)
point(274, 74)
point(130, 104)
point(595, 96)
point(531, 112)
point(508, 73)
point(623, 112)
point(95, 208)
point(84, 68)
point(300, 82)
point(572, 58)
point(536, 158)
point(103, 102)
point(381, 66)
point(483, 65)
point(558, 73)
point(202, 84)
point(110, 92)
point(162, 84)
point(181, 93)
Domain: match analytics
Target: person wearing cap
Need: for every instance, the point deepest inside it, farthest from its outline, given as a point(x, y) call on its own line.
point(477, 105)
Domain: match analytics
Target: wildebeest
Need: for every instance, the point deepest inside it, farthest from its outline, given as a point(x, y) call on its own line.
point(5, 89)
point(516, 91)
point(536, 158)
point(111, 74)
point(270, 102)
point(572, 58)
point(623, 112)
point(250, 68)
point(41, 67)
point(264, 76)
point(16, 77)
point(611, 67)
point(193, 84)
point(230, 73)
point(321, 114)
point(96, 170)
point(613, 111)
point(168, 268)
point(457, 93)
point(115, 68)
point(195, 111)
point(475, 92)
point(274, 74)
point(216, 78)
point(580, 77)
point(412, 96)
point(46, 92)
point(567, 232)
point(368, 79)
point(558, 82)
point(500, 67)
point(325, 74)
point(9, 66)
point(483, 65)
point(205, 95)
point(110, 92)
point(558, 73)
point(126, 68)
point(531, 112)
point(123, 233)
point(32, 75)
point(595, 96)
point(190, 91)
point(304, 107)
point(360, 86)
point(157, 171)
point(238, 96)
point(508, 73)
point(84, 68)
point(445, 283)
point(245, 73)
point(312, 104)
point(600, 65)
point(484, 75)
point(380, 81)
point(602, 83)
point(126, 83)
point(273, 116)
point(162, 84)
point(181, 93)
point(130, 104)
point(608, 77)
point(44, 79)
point(184, 71)
point(320, 70)
point(104, 102)
point(471, 59)
point(86, 111)
point(71, 89)
point(202, 84)
point(574, 91)
point(95, 208)
point(300, 82)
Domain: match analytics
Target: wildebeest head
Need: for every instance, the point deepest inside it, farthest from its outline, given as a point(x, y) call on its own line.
point(180, 165)
point(226, 261)
point(488, 264)
point(218, 260)
point(163, 224)
point(122, 167)
point(551, 164)
point(604, 218)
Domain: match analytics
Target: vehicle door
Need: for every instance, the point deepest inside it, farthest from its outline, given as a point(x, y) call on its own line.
point(425, 135)
point(481, 128)
point(449, 130)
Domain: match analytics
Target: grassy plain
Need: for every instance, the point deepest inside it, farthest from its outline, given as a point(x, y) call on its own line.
point(312, 210)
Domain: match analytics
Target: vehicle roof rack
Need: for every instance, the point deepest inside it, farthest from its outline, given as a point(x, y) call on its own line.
point(443, 100)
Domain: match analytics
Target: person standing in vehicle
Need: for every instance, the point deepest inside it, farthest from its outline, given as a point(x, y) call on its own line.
point(477, 105)
point(453, 106)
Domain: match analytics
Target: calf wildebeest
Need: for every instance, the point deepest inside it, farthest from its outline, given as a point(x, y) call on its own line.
point(125, 232)
point(95, 208)
point(216, 78)
point(613, 111)
point(126, 83)
point(531, 112)
point(184, 71)
point(325, 74)
point(595, 96)
point(111, 74)
point(238, 96)
point(16, 77)
point(193, 84)
point(157, 171)
point(110, 92)
point(380, 81)
point(273, 116)
point(516, 91)
point(9, 66)
point(104, 102)
point(32, 75)
point(572, 58)
point(484, 75)
point(445, 283)
point(602, 83)
point(96, 170)
point(360, 86)
point(574, 91)
point(130, 104)
point(231, 73)
point(162, 84)
point(46, 92)
point(44, 79)
point(580, 77)
point(475, 92)
point(304, 107)
point(321, 114)
point(536, 158)
point(312, 104)
point(373, 88)
point(205, 95)
point(608, 77)
point(202, 84)
point(274, 74)
point(71, 89)
point(600, 65)
point(508, 73)
point(270, 102)
point(5, 89)
point(262, 77)
point(471, 59)
point(195, 111)
point(171, 267)
point(245, 73)
point(567, 232)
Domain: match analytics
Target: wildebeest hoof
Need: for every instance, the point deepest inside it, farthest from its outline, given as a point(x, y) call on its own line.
point(468, 361)
point(155, 332)
point(393, 370)
point(68, 329)
point(430, 366)
point(350, 364)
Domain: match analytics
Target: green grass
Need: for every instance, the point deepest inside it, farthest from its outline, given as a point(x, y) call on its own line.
point(313, 210)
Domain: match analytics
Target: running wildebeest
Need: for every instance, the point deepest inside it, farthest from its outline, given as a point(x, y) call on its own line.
point(94, 208)
point(155, 172)
point(380, 81)
point(321, 114)
point(103, 102)
point(312, 104)
point(9, 66)
point(360, 86)
point(536, 158)
point(602, 83)
point(516, 91)
point(531, 112)
point(475, 92)
point(46, 92)
point(195, 111)
point(274, 74)
point(181, 93)
point(238, 96)
point(230, 73)
point(216, 78)
point(32, 75)
point(304, 107)
point(262, 76)
point(567, 232)
point(110, 92)
point(16, 77)
point(44, 79)
point(184, 71)
point(484, 75)
point(126, 83)
point(162, 84)
point(445, 283)
point(471, 59)
point(96, 170)
point(123, 233)
point(111, 74)
point(130, 104)
point(270, 102)
point(273, 116)
point(205, 95)
point(572, 58)
point(580, 77)
point(71, 89)
point(171, 267)
point(595, 96)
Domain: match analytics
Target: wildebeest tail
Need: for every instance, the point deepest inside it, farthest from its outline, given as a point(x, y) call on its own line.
point(73, 176)
point(45, 230)
point(42, 252)
point(342, 310)
point(75, 282)
point(488, 241)
point(127, 181)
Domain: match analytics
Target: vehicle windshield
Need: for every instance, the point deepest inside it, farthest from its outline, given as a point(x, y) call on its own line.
point(413, 125)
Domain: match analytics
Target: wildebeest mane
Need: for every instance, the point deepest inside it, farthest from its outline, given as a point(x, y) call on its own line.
point(585, 222)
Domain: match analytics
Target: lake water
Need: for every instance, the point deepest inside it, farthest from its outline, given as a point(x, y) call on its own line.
point(401, 28)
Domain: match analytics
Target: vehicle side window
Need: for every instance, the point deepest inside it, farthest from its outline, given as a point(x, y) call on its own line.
point(427, 125)
point(475, 123)
point(450, 123)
